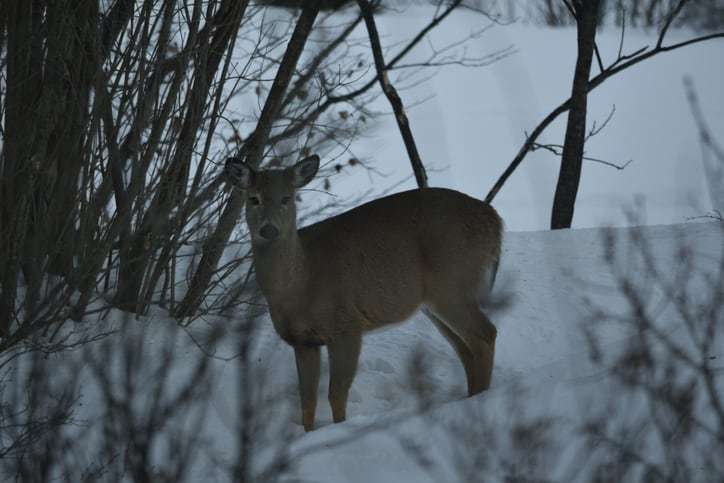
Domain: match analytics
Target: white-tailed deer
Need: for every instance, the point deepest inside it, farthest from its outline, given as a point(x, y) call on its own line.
point(374, 265)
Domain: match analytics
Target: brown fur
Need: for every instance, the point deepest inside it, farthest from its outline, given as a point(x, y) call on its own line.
point(328, 283)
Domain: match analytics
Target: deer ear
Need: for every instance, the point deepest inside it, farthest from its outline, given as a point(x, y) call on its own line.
point(239, 173)
point(305, 170)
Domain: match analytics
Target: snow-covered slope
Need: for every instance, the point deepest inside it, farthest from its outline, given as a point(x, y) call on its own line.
point(542, 370)
point(542, 366)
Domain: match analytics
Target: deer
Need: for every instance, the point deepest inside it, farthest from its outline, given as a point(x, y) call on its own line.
point(328, 283)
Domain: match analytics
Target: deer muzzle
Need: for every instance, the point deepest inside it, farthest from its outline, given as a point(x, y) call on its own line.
point(269, 232)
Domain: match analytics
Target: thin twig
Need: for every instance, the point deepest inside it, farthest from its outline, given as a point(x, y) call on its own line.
point(557, 149)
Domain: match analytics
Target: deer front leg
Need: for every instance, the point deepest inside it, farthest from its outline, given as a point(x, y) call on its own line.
point(308, 373)
point(343, 356)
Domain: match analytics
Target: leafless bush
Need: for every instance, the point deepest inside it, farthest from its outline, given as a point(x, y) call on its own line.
point(670, 418)
point(712, 153)
point(137, 406)
point(475, 443)
point(35, 417)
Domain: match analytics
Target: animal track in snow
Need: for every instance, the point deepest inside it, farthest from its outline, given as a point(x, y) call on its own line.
point(380, 365)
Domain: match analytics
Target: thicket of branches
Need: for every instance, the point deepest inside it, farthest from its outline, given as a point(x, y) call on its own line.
point(658, 411)
point(116, 119)
point(589, 59)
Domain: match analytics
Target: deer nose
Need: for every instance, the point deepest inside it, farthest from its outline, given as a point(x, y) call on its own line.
point(270, 232)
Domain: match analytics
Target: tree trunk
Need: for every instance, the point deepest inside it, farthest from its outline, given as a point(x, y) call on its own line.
point(17, 167)
point(572, 156)
point(254, 149)
point(69, 77)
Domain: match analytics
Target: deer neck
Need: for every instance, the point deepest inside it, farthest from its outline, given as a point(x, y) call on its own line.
point(280, 268)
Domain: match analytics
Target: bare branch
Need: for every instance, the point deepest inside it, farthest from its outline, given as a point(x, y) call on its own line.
point(391, 93)
point(557, 149)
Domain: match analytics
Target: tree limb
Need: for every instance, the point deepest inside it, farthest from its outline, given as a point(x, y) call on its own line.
point(391, 93)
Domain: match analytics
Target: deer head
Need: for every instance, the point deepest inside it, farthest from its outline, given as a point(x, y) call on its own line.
point(271, 211)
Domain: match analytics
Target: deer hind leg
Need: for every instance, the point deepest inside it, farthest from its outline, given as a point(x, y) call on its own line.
point(343, 356)
point(474, 328)
point(461, 348)
point(308, 372)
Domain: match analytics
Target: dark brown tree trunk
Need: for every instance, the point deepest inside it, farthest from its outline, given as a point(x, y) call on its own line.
point(572, 156)
point(17, 167)
point(69, 76)
point(254, 150)
point(51, 67)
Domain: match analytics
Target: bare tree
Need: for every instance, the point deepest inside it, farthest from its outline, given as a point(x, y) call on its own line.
point(623, 61)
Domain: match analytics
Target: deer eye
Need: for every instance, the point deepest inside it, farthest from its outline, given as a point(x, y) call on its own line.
point(285, 200)
point(254, 200)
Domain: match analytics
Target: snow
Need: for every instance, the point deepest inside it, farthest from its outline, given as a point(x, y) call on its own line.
point(541, 353)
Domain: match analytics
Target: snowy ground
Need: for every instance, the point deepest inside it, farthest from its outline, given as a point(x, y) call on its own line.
point(541, 351)
point(542, 370)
